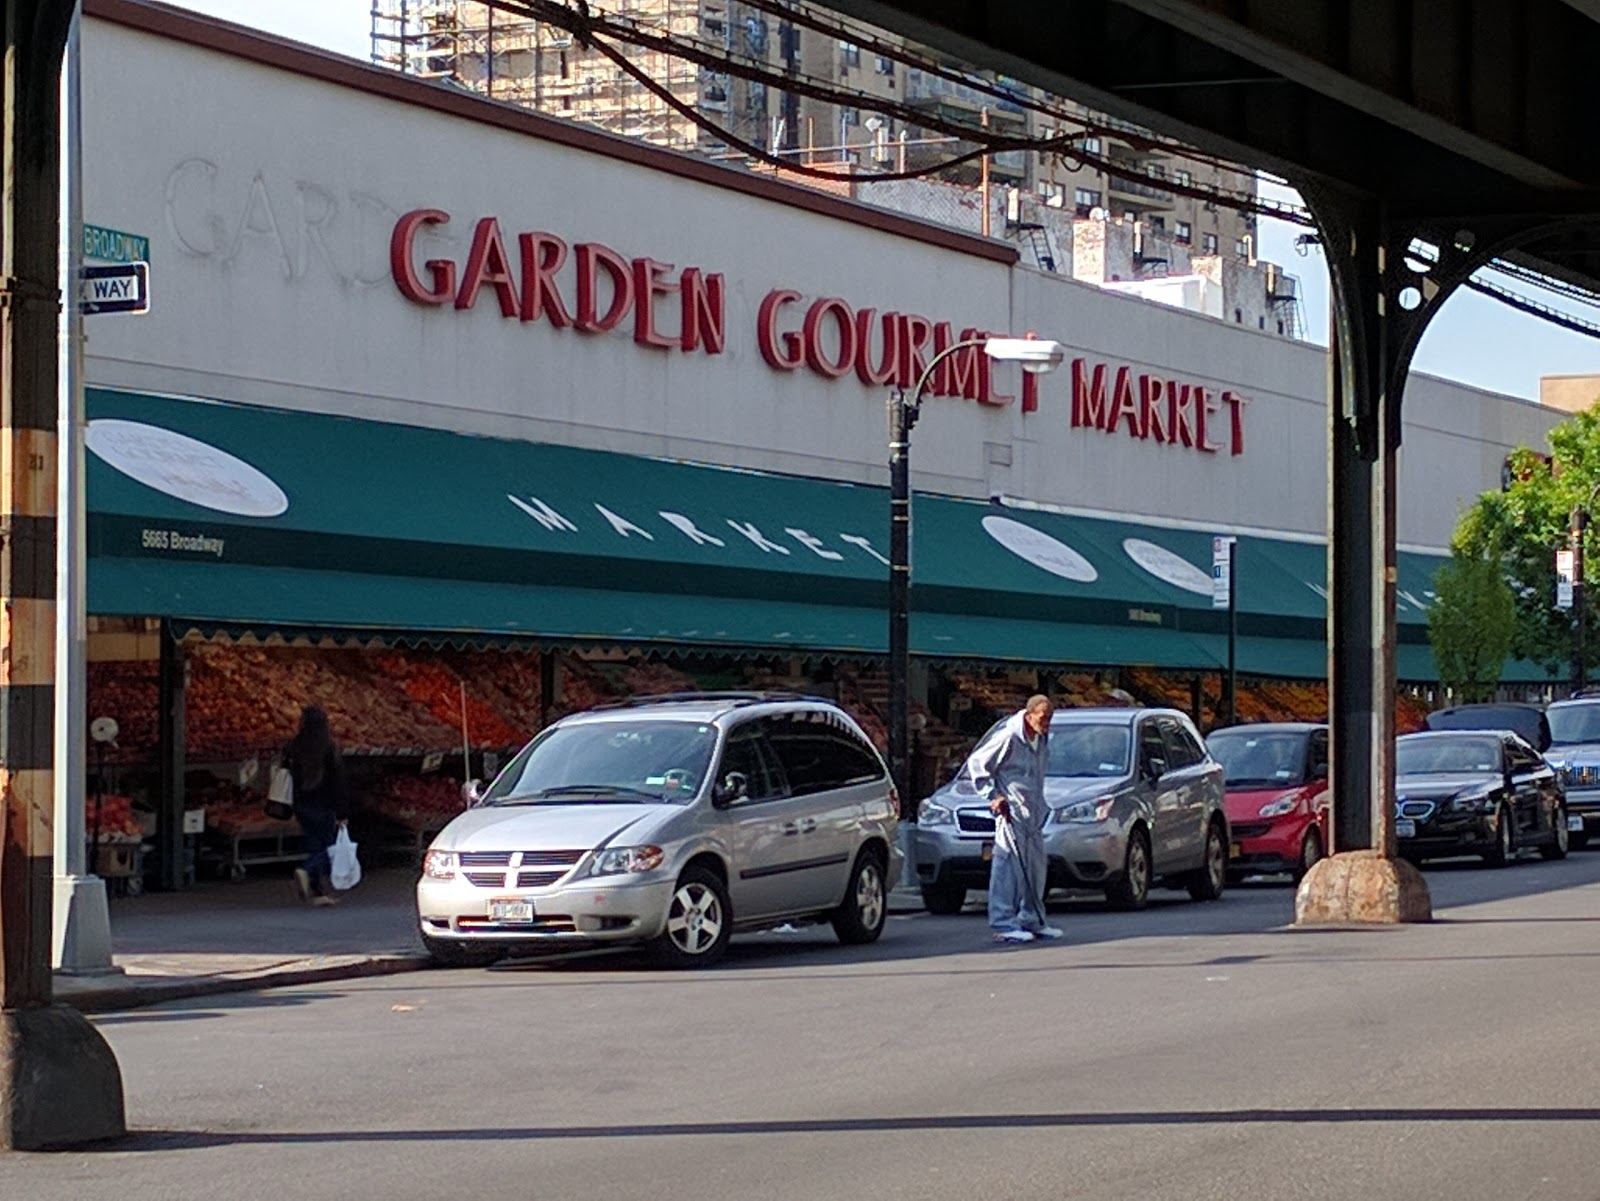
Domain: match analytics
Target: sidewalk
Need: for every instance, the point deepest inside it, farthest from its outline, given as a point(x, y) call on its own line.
point(223, 937)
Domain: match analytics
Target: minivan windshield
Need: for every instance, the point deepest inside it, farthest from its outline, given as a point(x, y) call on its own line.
point(609, 761)
point(1081, 748)
point(1271, 760)
point(1573, 723)
point(1433, 755)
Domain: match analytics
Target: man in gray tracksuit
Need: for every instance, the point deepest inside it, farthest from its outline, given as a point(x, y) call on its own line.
point(1008, 768)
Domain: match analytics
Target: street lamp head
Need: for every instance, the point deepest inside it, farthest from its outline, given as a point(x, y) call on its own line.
point(1037, 355)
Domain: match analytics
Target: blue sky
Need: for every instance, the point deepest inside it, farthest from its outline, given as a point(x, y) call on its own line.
point(1474, 339)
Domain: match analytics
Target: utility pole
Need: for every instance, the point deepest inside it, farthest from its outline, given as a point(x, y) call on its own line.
point(1579, 522)
point(59, 1082)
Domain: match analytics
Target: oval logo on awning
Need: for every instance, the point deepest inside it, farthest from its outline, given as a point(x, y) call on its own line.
point(1166, 565)
point(1040, 549)
point(186, 468)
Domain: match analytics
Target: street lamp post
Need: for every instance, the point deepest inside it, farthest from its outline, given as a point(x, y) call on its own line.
point(1037, 356)
point(1578, 523)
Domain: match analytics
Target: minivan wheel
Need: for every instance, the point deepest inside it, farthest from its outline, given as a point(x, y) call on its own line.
point(944, 899)
point(1132, 888)
point(1500, 854)
point(1560, 840)
point(1207, 881)
point(449, 953)
point(699, 922)
point(859, 920)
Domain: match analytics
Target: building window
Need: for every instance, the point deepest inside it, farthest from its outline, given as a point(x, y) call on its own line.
point(1091, 145)
point(850, 54)
point(884, 66)
point(1052, 193)
point(1156, 171)
point(1130, 216)
point(1158, 223)
point(849, 116)
point(1280, 329)
point(1261, 323)
point(1241, 248)
point(1085, 200)
point(1238, 316)
point(1185, 232)
point(1182, 178)
point(1208, 243)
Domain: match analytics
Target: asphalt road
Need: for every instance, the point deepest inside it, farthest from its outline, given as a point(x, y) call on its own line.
point(1190, 1051)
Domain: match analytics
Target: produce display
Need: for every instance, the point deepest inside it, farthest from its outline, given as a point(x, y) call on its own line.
point(438, 689)
point(126, 692)
point(116, 821)
point(417, 802)
point(231, 809)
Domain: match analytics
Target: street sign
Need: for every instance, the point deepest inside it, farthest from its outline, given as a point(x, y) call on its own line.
point(1564, 579)
point(1221, 570)
point(124, 288)
point(114, 246)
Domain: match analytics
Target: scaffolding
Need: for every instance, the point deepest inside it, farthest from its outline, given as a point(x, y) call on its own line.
point(537, 65)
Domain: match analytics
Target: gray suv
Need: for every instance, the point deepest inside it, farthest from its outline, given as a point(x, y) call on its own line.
point(1575, 754)
point(1134, 796)
point(670, 822)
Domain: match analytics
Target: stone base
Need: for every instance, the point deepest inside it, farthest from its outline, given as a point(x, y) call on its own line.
point(1362, 888)
point(59, 1082)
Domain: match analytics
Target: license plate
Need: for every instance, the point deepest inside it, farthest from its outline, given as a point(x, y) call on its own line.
point(1405, 828)
point(1575, 823)
point(988, 851)
point(510, 909)
point(1234, 850)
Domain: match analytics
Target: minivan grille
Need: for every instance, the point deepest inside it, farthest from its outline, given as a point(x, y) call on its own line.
point(547, 867)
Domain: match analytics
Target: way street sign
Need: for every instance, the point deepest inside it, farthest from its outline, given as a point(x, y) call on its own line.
point(1564, 572)
point(124, 288)
point(1222, 570)
point(114, 246)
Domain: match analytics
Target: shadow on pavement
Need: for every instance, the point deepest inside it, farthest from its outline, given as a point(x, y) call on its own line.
point(174, 1140)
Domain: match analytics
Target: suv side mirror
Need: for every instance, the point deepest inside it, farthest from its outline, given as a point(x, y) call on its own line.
point(734, 786)
point(472, 792)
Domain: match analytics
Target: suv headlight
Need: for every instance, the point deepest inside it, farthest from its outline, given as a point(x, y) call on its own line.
point(440, 865)
point(1096, 810)
point(1278, 808)
point(930, 814)
point(619, 861)
point(1477, 799)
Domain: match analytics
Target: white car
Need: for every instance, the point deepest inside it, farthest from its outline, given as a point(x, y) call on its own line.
point(671, 822)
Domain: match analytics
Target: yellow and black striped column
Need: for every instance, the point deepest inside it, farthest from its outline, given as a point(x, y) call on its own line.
point(30, 298)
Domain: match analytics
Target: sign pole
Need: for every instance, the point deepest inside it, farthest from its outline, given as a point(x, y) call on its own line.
point(1233, 631)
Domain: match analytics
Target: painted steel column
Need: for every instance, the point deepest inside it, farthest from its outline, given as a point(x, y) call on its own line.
point(59, 1082)
point(1350, 617)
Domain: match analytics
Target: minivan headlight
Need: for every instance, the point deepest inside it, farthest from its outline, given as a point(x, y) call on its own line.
point(1096, 810)
point(619, 861)
point(440, 865)
point(930, 814)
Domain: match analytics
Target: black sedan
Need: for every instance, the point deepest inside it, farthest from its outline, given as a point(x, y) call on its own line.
point(1484, 793)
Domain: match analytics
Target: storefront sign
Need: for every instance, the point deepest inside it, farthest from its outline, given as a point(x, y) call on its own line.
point(826, 336)
point(1149, 407)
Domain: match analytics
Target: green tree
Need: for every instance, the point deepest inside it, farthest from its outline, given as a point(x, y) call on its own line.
point(1472, 625)
point(1526, 522)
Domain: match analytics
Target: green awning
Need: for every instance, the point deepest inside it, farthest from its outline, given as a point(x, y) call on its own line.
point(227, 514)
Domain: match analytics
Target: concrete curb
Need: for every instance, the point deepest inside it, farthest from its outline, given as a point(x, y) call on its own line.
point(156, 990)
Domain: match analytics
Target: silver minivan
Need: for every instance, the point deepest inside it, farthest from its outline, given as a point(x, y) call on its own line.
point(1135, 799)
point(670, 822)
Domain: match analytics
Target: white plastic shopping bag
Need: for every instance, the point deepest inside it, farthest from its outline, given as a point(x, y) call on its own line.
point(346, 871)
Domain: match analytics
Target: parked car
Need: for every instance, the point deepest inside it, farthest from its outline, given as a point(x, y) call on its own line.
point(1276, 775)
point(1485, 793)
point(671, 822)
point(1521, 718)
point(1134, 800)
point(1575, 754)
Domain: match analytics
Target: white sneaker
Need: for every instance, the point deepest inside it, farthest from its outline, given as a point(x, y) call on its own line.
point(1049, 932)
point(1013, 936)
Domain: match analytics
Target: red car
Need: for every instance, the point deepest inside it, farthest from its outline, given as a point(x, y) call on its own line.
point(1276, 775)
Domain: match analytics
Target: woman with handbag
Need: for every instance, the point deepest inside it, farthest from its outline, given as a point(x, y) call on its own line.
point(321, 800)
